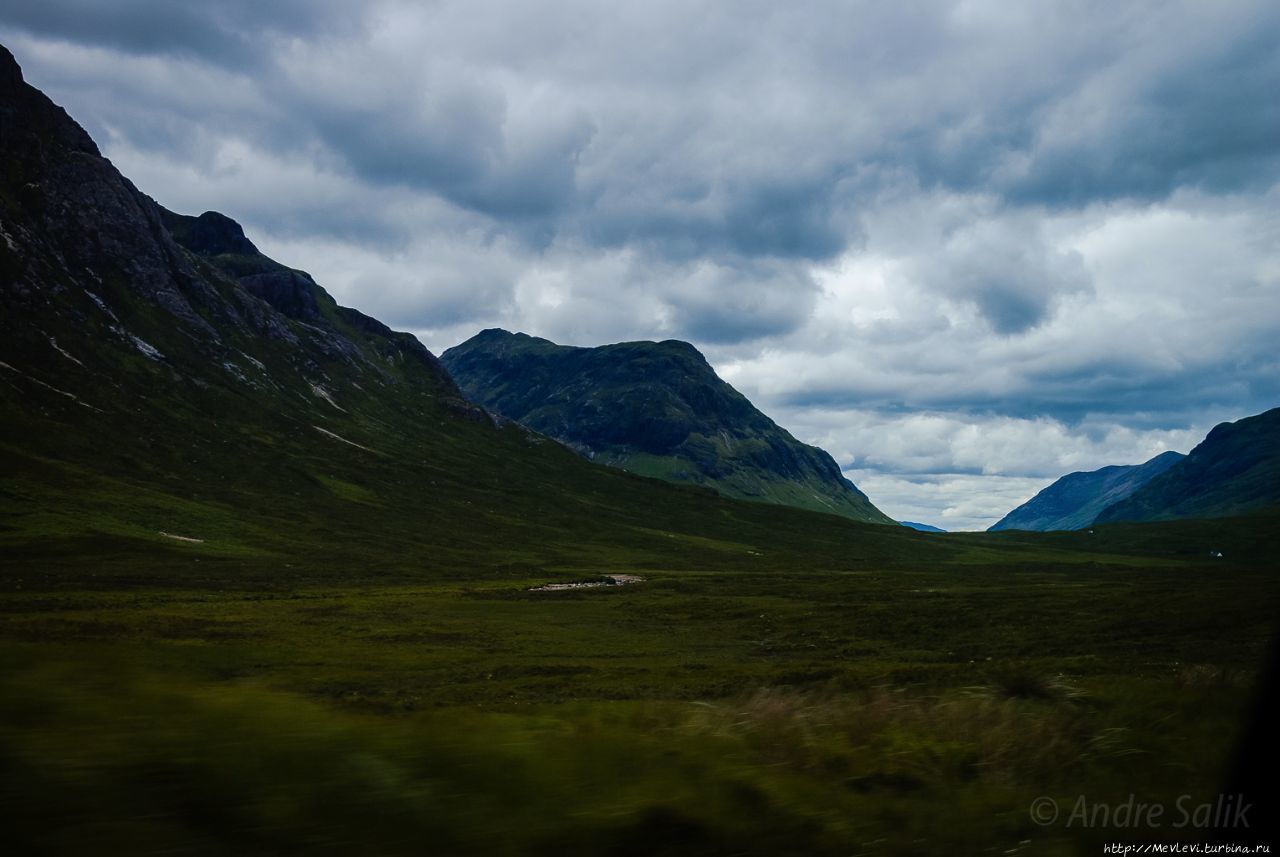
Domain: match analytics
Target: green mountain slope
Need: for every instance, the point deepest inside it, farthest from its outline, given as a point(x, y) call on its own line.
point(1074, 501)
point(654, 408)
point(1235, 470)
point(160, 376)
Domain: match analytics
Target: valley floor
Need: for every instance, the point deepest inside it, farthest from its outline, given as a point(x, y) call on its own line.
point(906, 711)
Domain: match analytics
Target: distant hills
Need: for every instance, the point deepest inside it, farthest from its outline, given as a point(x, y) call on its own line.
point(1076, 500)
point(1235, 470)
point(924, 528)
point(653, 408)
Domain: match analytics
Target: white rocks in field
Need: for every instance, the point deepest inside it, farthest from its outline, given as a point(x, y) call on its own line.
point(610, 580)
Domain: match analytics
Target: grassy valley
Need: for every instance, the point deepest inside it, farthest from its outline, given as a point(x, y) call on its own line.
point(771, 704)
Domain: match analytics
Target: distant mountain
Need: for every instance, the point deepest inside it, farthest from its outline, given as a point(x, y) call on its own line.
point(1074, 501)
point(924, 528)
point(1235, 470)
point(653, 408)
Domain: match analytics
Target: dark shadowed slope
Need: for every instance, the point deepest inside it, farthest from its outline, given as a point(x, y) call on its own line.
point(1234, 471)
point(654, 408)
point(1074, 501)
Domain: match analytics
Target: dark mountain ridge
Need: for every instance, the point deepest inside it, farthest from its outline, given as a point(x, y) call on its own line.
point(654, 408)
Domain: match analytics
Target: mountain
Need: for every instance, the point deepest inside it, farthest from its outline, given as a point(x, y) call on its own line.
point(1234, 470)
point(1074, 501)
point(923, 528)
point(175, 403)
point(653, 408)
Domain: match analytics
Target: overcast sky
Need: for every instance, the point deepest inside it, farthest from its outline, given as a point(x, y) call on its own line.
point(966, 247)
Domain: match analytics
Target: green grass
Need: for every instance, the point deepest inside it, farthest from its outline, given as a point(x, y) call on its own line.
point(714, 710)
point(145, 764)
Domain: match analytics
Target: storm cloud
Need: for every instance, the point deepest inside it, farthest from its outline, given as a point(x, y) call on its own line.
point(960, 244)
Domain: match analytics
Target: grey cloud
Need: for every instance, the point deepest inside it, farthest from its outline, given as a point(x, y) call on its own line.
point(754, 216)
point(632, 295)
point(736, 303)
point(1007, 270)
point(752, 146)
point(446, 144)
point(1107, 387)
point(338, 222)
point(1211, 123)
point(1106, 110)
point(437, 297)
point(440, 129)
point(787, 220)
point(231, 33)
